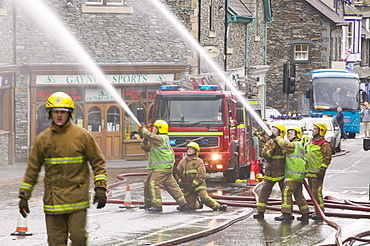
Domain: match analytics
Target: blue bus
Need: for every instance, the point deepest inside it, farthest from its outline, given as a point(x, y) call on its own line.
point(333, 88)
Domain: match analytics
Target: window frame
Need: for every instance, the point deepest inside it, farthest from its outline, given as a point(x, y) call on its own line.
point(294, 45)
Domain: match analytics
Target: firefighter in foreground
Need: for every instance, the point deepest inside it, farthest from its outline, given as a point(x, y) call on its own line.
point(295, 172)
point(274, 171)
point(65, 150)
point(319, 159)
point(193, 170)
point(161, 162)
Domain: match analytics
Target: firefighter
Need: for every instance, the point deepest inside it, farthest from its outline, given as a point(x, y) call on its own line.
point(319, 159)
point(295, 172)
point(161, 161)
point(64, 149)
point(274, 171)
point(193, 170)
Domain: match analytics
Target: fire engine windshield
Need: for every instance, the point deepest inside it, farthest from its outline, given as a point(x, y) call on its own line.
point(180, 110)
point(329, 93)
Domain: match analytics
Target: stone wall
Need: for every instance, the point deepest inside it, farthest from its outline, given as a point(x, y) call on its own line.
point(4, 149)
point(295, 20)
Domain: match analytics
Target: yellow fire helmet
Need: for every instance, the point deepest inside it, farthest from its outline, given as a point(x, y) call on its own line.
point(60, 101)
point(322, 128)
point(195, 146)
point(281, 128)
point(298, 132)
point(162, 126)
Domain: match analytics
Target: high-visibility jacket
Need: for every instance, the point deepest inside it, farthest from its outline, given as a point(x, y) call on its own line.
point(295, 163)
point(65, 154)
point(316, 156)
point(161, 156)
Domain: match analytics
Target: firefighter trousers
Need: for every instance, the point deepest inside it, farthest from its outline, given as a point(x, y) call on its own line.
point(59, 226)
point(293, 187)
point(191, 198)
point(316, 187)
point(157, 179)
point(266, 192)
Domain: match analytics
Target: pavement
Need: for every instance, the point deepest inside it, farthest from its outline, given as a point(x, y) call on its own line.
point(16, 172)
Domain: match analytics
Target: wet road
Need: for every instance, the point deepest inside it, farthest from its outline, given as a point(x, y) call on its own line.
point(347, 178)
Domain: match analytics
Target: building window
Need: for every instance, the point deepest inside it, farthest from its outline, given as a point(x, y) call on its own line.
point(106, 2)
point(2, 7)
point(301, 52)
point(350, 34)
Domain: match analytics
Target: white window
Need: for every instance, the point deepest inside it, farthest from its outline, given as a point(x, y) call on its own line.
point(105, 2)
point(301, 52)
point(350, 34)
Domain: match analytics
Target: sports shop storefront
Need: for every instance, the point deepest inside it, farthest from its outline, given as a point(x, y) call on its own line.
point(95, 109)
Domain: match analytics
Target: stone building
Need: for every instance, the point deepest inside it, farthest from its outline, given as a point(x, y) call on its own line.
point(135, 46)
point(309, 34)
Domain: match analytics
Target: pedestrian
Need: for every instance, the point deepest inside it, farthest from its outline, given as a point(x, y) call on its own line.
point(64, 149)
point(193, 170)
point(365, 113)
point(295, 172)
point(319, 159)
point(274, 170)
point(160, 165)
point(340, 119)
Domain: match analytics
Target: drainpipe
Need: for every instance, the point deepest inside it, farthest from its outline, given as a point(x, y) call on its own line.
point(269, 19)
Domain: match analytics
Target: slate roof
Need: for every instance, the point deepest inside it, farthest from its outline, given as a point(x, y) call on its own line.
point(327, 12)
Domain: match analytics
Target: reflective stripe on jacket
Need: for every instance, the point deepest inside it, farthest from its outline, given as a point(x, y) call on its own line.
point(161, 156)
point(295, 167)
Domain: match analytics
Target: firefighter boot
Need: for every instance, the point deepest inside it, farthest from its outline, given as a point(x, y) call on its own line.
point(222, 208)
point(259, 215)
point(155, 209)
point(183, 208)
point(304, 217)
point(144, 206)
point(200, 203)
point(285, 217)
point(316, 216)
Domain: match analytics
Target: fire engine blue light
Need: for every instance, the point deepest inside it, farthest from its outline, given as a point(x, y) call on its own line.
point(172, 141)
point(208, 87)
point(170, 87)
point(203, 142)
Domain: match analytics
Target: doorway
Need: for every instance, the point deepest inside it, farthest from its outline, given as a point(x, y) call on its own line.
point(104, 122)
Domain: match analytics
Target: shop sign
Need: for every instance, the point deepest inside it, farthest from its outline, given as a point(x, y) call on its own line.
point(113, 79)
point(99, 95)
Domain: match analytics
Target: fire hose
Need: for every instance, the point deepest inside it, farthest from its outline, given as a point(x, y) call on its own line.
point(250, 202)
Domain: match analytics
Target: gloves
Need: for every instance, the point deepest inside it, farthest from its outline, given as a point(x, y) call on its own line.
point(23, 207)
point(272, 136)
point(273, 152)
point(100, 197)
point(320, 174)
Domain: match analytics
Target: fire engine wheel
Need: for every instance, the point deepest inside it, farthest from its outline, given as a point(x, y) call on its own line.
point(231, 175)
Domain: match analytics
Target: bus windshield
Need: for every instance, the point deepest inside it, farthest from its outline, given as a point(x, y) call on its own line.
point(330, 93)
point(180, 111)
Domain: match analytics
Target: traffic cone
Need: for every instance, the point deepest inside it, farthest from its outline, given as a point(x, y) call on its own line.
point(252, 178)
point(127, 202)
point(21, 229)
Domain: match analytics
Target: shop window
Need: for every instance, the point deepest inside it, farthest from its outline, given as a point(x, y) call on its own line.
point(113, 119)
point(94, 120)
point(131, 128)
point(42, 118)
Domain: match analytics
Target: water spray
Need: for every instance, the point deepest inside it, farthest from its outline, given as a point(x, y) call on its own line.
point(40, 12)
point(185, 33)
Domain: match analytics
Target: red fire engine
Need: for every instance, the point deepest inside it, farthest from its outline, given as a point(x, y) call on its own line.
point(214, 119)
